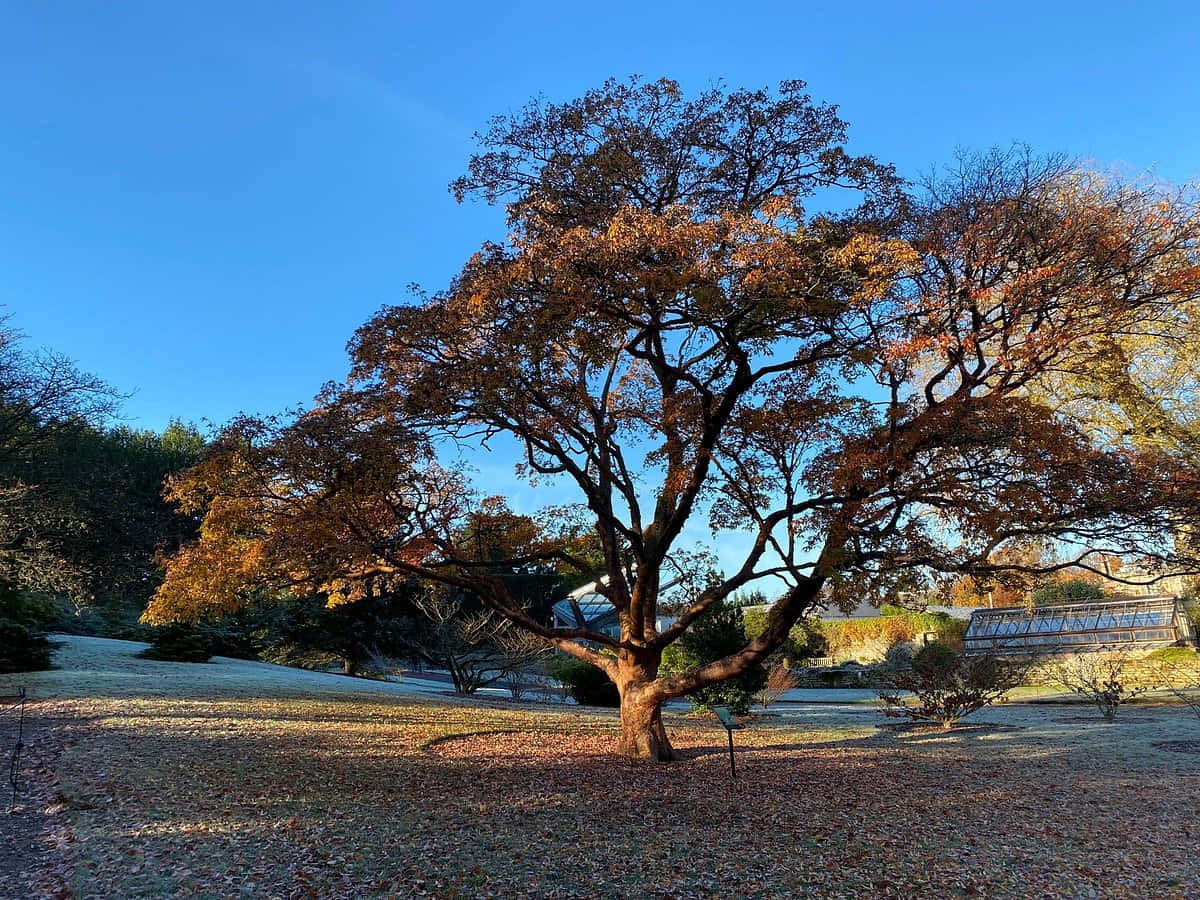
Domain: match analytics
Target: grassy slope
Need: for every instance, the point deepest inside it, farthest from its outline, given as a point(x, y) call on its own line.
point(185, 781)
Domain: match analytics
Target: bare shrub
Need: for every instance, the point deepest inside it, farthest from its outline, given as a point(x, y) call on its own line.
point(515, 682)
point(477, 649)
point(946, 686)
point(1100, 678)
point(519, 652)
point(780, 680)
point(548, 688)
point(1183, 681)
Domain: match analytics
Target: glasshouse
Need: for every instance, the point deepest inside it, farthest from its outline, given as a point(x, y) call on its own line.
point(585, 608)
point(1126, 622)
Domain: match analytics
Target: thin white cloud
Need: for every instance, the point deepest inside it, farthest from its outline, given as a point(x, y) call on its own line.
point(371, 93)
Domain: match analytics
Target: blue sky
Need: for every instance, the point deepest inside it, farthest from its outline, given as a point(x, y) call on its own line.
point(200, 203)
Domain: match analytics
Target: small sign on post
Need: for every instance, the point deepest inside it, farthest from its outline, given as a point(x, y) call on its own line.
point(725, 716)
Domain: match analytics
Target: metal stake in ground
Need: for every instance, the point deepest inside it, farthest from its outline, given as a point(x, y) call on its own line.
point(725, 715)
point(14, 766)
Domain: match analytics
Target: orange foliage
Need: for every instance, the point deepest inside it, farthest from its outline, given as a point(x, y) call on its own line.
point(667, 331)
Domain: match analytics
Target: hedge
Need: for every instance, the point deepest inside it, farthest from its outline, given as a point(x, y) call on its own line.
point(874, 636)
point(22, 648)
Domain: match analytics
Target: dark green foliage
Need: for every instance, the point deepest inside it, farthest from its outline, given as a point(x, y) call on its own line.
point(25, 608)
point(587, 685)
point(22, 648)
point(1070, 590)
point(23, 616)
point(301, 631)
point(716, 634)
point(180, 643)
point(240, 636)
point(81, 507)
point(131, 631)
point(308, 631)
point(83, 516)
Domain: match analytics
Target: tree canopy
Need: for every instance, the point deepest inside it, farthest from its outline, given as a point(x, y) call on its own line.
point(82, 515)
point(669, 329)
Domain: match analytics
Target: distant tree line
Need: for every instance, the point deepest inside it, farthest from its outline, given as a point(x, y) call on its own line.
point(85, 522)
point(82, 512)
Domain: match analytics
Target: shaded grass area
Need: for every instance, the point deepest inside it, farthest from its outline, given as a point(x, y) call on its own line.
point(350, 795)
point(290, 796)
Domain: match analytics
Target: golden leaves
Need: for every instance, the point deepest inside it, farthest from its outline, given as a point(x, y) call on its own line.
point(338, 496)
point(877, 264)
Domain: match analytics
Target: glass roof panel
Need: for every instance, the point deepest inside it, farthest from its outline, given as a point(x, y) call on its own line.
point(1121, 619)
point(592, 606)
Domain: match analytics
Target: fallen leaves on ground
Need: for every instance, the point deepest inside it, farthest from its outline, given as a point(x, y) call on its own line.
point(347, 796)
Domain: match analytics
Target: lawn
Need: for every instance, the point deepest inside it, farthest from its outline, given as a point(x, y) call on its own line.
point(182, 780)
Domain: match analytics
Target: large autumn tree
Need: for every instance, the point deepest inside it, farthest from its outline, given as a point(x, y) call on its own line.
point(671, 330)
point(1140, 387)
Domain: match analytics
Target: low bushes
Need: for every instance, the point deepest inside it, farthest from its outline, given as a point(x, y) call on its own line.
point(939, 685)
point(180, 643)
point(1102, 680)
point(586, 684)
point(23, 648)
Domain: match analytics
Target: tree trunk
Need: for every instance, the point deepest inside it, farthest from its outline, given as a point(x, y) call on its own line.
point(643, 735)
point(455, 676)
point(349, 666)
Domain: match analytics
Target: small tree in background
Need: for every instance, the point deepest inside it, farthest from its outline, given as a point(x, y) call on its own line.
point(780, 679)
point(946, 686)
point(476, 648)
point(1099, 678)
point(180, 642)
point(522, 654)
point(23, 645)
point(718, 633)
point(22, 648)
